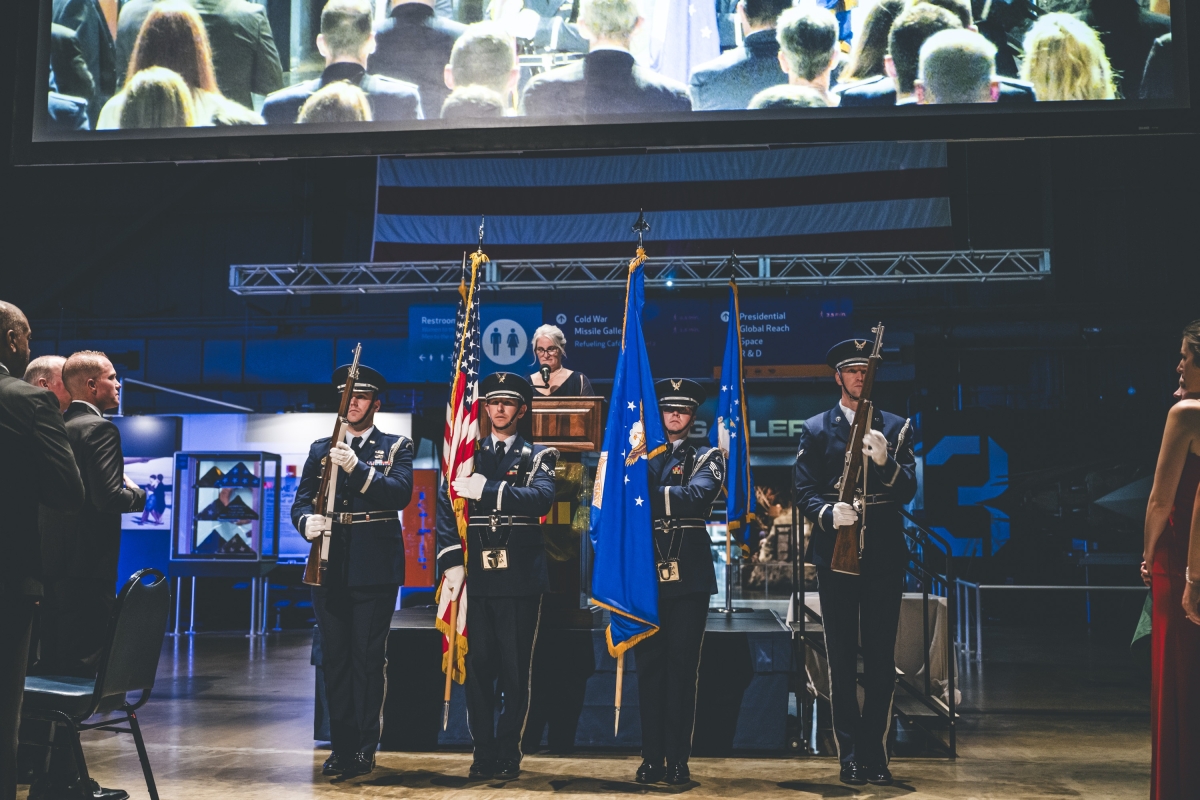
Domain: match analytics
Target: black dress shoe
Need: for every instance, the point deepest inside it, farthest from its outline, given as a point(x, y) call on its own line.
point(334, 765)
point(41, 790)
point(880, 775)
point(649, 772)
point(358, 764)
point(507, 768)
point(678, 774)
point(481, 770)
point(100, 793)
point(853, 774)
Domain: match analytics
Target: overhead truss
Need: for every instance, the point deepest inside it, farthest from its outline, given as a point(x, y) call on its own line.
point(975, 266)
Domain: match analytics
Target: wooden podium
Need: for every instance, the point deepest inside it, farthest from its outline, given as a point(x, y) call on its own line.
point(568, 424)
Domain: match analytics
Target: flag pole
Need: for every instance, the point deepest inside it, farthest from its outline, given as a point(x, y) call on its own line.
point(640, 227)
point(728, 608)
point(733, 265)
point(453, 660)
point(617, 701)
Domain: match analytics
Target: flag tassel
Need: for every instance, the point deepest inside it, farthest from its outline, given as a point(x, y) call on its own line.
point(450, 671)
point(617, 699)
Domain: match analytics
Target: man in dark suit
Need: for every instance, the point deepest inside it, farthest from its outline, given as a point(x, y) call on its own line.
point(245, 58)
point(1127, 32)
point(870, 601)
point(608, 80)
point(69, 67)
point(366, 567)
point(346, 40)
point(94, 35)
point(511, 489)
point(685, 480)
point(731, 80)
point(413, 44)
point(38, 467)
point(80, 551)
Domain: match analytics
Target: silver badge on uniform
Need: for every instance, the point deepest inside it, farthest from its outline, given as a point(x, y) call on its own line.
point(668, 571)
point(495, 558)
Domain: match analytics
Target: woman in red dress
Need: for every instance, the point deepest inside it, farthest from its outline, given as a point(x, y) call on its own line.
point(1175, 649)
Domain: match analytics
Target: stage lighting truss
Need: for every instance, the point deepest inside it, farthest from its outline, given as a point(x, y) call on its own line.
point(679, 272)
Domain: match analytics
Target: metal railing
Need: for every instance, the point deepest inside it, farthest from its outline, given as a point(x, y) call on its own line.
point(964, 590)
point(975, 266)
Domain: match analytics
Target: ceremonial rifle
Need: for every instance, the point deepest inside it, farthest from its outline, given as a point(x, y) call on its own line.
point(851, 488)
point(317, 566)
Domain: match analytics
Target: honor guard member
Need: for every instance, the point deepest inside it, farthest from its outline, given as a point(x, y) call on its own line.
point(511, 489)
point(872, 599)
point(684, 482)
point(366, 567)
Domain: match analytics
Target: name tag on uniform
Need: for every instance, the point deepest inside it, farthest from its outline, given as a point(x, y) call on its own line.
point(495, 558)
point(668, 571)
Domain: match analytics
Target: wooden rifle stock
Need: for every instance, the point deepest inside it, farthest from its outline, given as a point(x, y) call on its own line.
point(316, 567)
point(846, 549)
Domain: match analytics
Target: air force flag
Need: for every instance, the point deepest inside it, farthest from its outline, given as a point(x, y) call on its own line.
point(729, 434)
point(623, 576)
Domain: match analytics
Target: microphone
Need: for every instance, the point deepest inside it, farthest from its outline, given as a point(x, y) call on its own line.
point(545, 376)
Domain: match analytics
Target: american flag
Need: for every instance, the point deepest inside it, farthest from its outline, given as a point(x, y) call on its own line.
point(462, 411)
point(458, 450)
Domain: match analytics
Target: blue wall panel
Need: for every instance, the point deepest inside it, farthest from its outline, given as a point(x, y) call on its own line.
point(223, 361)
point(289, 360)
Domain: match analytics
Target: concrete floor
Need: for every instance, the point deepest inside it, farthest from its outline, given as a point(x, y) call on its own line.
point(1047, 716)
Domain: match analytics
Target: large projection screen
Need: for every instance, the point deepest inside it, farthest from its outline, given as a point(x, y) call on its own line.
point(136, 80)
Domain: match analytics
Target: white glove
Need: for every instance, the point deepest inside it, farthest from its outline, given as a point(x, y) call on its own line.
point(470, 487)
point(875, 447)
point(843, 515)
point(723, 438)
point(452, 581)
point(315, 525)
point(343, 456)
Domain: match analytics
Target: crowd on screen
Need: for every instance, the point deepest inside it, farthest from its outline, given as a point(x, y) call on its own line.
point(121, 64)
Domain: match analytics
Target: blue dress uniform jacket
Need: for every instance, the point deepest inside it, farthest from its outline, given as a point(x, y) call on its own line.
point(391, 100)
point(518, 501)
point(684, 484)
point(818, 468)
point(365, 553)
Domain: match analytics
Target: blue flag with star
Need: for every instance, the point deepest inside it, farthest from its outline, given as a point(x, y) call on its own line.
point(624, 578)
point(729, 432)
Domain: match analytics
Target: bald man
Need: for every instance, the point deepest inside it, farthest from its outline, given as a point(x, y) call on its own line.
point(38, 467)
point(81, 550)
point(45, 372)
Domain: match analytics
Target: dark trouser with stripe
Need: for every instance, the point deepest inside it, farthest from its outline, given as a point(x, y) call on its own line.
point(501, 635)
point(870, 602)
point(668, 668)
point(354, 624)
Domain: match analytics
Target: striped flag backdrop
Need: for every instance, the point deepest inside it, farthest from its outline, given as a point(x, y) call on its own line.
point(875, 197)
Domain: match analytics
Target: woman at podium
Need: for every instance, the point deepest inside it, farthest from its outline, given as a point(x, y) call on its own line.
point(553, 379)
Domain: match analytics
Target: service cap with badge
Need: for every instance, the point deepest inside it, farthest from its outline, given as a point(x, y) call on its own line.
point(507, 384)
point(679, 393)
point(850, 353)
point(369, 380)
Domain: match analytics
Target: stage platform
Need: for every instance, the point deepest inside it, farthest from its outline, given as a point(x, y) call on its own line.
point(1048, 716)
point(742, 703)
